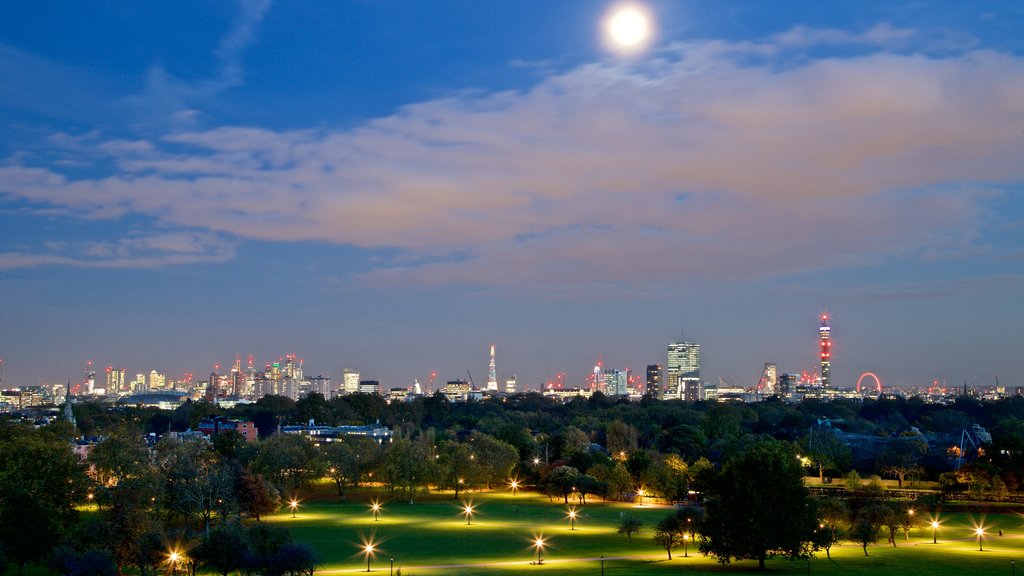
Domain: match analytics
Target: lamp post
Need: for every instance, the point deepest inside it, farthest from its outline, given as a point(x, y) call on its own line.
point(602, 565)
point(572, 519)
point(173, 558)
point(640, 493)
point(686, 540)
point(980, 532)
point(392, 566)
point(293, 504)
point(468, 511)
point(1013, 567)
point(369, 552)
point(514, 485)
point(935, 528)
point(375, 507)
point(539, 544)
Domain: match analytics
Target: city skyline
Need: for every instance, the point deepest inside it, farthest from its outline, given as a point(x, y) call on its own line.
point(393, 188)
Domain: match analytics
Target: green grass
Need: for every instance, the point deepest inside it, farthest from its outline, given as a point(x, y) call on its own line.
point(431, 537)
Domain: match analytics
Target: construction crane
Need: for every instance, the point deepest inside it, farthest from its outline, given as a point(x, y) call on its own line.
point(471, 384)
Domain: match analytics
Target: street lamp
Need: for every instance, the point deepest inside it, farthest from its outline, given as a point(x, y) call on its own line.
point(392, 566)
point(536, 460)
point(640, 493)
point(572, 518)
point(686, 539)
point(935, 527)
point(173, 558)
point(539, 544)
point(980, 532)
point(602, 565)
point(514, 485)
point(293, 504)
point(375, 508)
point(467, 509)
point(368, 550)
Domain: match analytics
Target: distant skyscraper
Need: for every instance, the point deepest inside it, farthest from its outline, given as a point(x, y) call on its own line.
point(654, 380)
point(683, 371)
point(369, 387)
point(615, 382)
point(350, 382)
point(492, 374)
point(825, 341)
point(157, 381)
point(769, 383)
point(115, 380)
point(510, 385)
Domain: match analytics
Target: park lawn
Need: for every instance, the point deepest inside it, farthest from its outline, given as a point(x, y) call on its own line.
point(432, 538)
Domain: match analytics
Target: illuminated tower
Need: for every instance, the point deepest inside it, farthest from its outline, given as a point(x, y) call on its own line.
point(654, 380)
point(683, 372)
point(825, 341)
point(492, 375)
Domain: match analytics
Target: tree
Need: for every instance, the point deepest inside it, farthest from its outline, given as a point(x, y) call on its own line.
point(758, 506)
point(289, 461)
point(629, 525)
point(563, 479)
point(255, 496)
point(866, 525)
point(667, 476)
point(621, 437)
point(28, 530)
point(224, 550)
point(574, 441)
point(899, 457)
point(825, 450)
point(834, 514)
point(40, 481)
point(264, 542)
point(348, 459)
point(292, 559)
point(407, 467)
point(123, 454)
point(454, 465)
point(494, 458)
point(667, 533)
point(198, 484)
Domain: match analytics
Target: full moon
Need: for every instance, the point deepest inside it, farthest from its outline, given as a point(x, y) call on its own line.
point(628, 27)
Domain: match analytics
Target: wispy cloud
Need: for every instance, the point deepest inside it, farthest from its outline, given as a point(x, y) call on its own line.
point(171, 101)
point(137, 251)
point(701, 164)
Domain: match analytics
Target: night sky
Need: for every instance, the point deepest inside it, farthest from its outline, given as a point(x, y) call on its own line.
point(392, 186)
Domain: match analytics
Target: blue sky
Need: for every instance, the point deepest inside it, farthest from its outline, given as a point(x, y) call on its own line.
point(393, 186)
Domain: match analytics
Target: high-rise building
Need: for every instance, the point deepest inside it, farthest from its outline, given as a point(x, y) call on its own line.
point(825, 344)
point(115, 380)
point(350, 382)
point(492, 374)
point(157, 381)
point(683, 371)
point(510, 385)
point(654, 380)
point(615, 382)
point(769, 383)
point(369, 387)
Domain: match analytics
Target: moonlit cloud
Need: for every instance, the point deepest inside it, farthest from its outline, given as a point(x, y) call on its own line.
point(707, 163)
